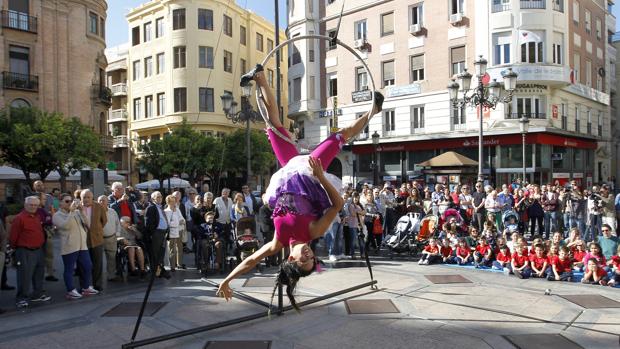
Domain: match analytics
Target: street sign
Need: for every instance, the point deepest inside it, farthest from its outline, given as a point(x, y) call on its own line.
point(361, 96)
point(557, 156)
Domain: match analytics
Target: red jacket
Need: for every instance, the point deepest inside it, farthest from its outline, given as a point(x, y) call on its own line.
point(27, 231)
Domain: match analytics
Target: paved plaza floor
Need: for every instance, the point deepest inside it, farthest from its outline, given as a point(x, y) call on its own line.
point(407, 310)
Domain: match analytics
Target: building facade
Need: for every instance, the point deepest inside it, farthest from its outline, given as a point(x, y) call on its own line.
point(118, 125)
point(183, 56)
point(53, 58)
point(414, 48)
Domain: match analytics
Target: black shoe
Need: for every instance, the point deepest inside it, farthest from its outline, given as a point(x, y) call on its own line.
point(51, 278)
point(249, 76)
point(7, 288)
point(98, 288)
point(142, 274)
point(165, 274)
point(183, 266)
point(116, 279)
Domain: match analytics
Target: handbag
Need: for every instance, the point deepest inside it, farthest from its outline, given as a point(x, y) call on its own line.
point(377, 227)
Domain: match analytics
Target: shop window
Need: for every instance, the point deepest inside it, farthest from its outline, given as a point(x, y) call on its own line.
point(390, 161)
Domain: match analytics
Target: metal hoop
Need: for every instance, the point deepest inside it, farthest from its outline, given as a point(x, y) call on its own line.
point(313, 37)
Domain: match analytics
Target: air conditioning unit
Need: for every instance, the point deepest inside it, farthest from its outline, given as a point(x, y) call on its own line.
point(456, 18)
point(415, 28)
point(359, 43)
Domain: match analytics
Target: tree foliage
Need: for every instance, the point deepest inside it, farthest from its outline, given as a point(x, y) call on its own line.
point(261, 154)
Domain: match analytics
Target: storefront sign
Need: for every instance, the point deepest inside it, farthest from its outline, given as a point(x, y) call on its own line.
point(395, 91)
point(486, 142)
point(361, 96)
point(561, 175)
point(389, 178)
point(329, 113)
point(534, 72)
point(389, 147)
point(577, 175)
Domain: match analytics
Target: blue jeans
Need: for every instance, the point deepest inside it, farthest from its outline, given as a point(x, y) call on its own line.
point(566, 220)
point(355, 241)
point(84, 265)
point(497, 265)
point(332, 239)
point(551, 222)
point(594, 228)
point(563, 276)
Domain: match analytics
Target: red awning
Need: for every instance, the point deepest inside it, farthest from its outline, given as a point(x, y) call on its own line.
point(472, 142)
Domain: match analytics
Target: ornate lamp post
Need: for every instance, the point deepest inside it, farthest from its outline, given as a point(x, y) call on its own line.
point(481, 96)
point(246, 114)
point(375, 165)
point(524, 123)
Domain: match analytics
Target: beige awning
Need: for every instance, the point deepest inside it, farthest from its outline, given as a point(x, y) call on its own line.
point(449, 159)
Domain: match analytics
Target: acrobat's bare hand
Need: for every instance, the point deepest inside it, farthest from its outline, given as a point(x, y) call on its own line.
point(224, 291)
point(315, 165)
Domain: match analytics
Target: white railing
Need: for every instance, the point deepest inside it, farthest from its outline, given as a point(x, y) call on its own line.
point(117, 115)
point(119, 89)
point(121, 142)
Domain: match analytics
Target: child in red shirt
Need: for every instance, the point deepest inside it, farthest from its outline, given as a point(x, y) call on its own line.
point(615, 269)
point(561, 267)
point(502, 259)
point(463, 253)
point(431, 254)
point(447, 252)
point(483, 255)
point(520, 265)
point(595, 274)
point(538, 262)
point(579, 253)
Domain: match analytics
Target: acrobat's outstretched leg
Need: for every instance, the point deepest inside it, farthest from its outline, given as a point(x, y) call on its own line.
point(358, 125)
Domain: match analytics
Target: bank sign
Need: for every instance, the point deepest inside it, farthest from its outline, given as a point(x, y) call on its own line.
point(530, 72)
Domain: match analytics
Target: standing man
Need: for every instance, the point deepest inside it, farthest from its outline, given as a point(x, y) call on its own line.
point(549, 201)
point(250, 199)
point(111, 230)
point(609, 209)
point(48, 205)
point(156, 232)
point(27, 238)
point(94, 217)
point(121, 203)
point(223, 204)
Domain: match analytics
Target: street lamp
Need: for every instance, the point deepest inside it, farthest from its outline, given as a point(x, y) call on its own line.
point(375, 173)
point(481, 96)
point(246, 114)
point(524, 123)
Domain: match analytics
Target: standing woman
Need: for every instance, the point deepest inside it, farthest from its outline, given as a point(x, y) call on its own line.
point(535, 211)
point(175, 223)
point(521, 209)
point(73, 247)
point(372, 213)
point(414, 202)
point(355, 217)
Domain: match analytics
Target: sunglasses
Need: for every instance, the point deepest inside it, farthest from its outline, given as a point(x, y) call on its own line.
point(67, 201)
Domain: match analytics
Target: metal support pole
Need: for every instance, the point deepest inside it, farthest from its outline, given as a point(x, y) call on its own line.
point(480, 142)
point(279, 103)
point(237, 321)
point(524, 164)
point(248, 154)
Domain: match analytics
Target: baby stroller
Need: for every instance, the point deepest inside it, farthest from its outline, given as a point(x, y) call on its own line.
point(454, 213)
point(246, 240)
point(511, 221)
point(428, 226)
point(404, 236)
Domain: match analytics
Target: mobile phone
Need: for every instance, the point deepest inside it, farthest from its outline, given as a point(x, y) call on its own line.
point(76, 202)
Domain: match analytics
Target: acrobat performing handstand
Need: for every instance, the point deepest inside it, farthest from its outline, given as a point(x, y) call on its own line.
point(303, 195)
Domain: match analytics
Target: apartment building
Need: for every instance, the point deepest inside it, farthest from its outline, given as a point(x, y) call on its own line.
point(118, 117)
point(183, 56)
point(414, 48)
point(53, 58)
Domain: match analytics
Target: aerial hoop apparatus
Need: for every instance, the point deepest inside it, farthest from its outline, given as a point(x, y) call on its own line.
point(260, 102)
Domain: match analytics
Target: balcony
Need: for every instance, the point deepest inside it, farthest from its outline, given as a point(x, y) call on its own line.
point(103, 94)
point(107, 142)
point(19, 21)
point(19, 81)
point(533, 4)
point(117, 115)
point(558, 5)
point(119, 89)
point(121, 142)
point(516, 116)
point(500, 7)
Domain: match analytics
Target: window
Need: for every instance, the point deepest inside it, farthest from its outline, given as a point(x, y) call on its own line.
point(160, 63)
point(147, 31)
point(417, 68)
point(136, 70)
point(501, 48)
point(332, 44)
point(205, 98)
point(457, 59)
point(102, 27)
point(205, 19)
point(457, 6)
point(259, 42)
point(332, 85)
point(576, 13)
point(178, 19)
point(228, 61)
point(161, 103)
point(532, 47)
point(205, 57)
point(416, 12)
point(558, 5)
point(387, 24)
point(599, 124)
point(242, 35)
point(361, 30)
point(588, 21)
point(19, 60)
point(599, 29)
point(180, 99)
point(137, 109)
point(577, 67)
point(179, 56)
point(159, 27)
point(361, 79)
point(577, 118)
point(148, 66)
point(387, 69)
point(148, 106)
point(530, 107)
point(501, 5)
point(296, 57)
point(564, 115)
point(457, 115)
point(389, 120)
point(417, 117)
point(311, 48)
point(558, 39)
point(93, 23)
point(135, 36)
point(243, 66)
point(296, 89)
point(589, 124)
point(311, 87)
point(270, 77)
point(588, 73)
point(228, 26)
point(269, 45)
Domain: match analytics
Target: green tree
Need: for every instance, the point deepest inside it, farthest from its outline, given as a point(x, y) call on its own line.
point(156, 160)
point(261, 153)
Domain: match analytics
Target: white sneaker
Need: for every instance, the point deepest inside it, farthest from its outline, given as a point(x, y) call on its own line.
point(506, 271)
point(332, 258)
point(89, 291)
point(341, 256)
point(420, 262)
point(73, 294)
